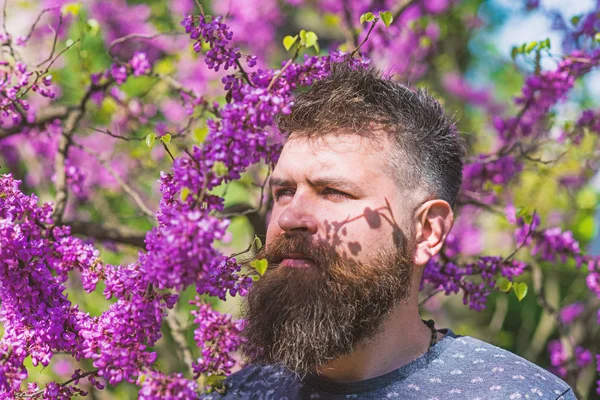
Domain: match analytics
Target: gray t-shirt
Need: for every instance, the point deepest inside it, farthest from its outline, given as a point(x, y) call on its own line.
point(457, 367)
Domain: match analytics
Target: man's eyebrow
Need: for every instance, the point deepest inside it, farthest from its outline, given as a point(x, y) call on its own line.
point(334, 181)
point(280, 182)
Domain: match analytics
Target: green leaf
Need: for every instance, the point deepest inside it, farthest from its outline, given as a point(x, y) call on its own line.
point(150, 139)
point(289, 41)
point(597, 37)
point(185, 192)
point(200, 134)
point(257, 244)
point(332, 20)
point(586, 228)
point(255, 278)
point(545, 44)
point(367, 17)
point(504, 285)
point(71, 8)
point(386, 17)
point(260, 266)
point(93, 26)
point(166, 138)
point(587, 198)
point(311, 39)
point(575, 20)
point(219, 168)
point(212, 380)
point(303, 37)
point(530, 46)
point(514, 52)
point(520, 289)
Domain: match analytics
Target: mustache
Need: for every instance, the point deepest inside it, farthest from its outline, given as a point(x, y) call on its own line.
point(284, 246)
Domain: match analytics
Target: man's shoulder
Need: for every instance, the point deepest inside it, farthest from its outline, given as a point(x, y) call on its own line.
point(255, 379)
point(494, 368)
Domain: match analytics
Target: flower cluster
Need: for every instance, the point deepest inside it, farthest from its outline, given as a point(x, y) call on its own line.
point(560, 360)
point(541, 92)
point(218, 336)
point(211, 30)
point(570, 312)
point(117, 341)
point(452, 278)
point(481, 176)
point(14, 84)
point(119, 72)
point(156, 385)
point(76, 180)
point(29, 289)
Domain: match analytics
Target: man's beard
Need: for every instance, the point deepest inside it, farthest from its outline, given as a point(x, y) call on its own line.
point(302, 318)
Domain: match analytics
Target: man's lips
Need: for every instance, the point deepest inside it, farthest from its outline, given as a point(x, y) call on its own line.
point(296, 261)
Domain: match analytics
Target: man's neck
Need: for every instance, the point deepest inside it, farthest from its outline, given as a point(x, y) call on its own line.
point(403, 337)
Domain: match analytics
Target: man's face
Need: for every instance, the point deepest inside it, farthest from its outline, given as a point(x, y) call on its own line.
point(338, 256)
point(335, 189)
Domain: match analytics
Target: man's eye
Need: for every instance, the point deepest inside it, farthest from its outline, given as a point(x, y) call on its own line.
point(279, 193)
point(335, 193)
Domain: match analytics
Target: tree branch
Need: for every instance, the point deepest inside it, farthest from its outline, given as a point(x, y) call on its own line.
point(72, 122)
point(128, 189)
point(44, 117)
point(403, 8)
point(180, 340)
point(118, 234)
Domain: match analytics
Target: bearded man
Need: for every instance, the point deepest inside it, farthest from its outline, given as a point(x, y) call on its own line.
point(363, 196)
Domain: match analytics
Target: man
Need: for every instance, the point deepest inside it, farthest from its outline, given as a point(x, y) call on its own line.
point(363, 197)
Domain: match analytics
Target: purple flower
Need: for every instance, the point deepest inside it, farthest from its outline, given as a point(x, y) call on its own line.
point(569, 313)
point(218, 336)
point(140, 64)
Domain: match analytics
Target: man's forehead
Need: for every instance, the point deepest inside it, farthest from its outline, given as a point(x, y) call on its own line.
point(333, 159)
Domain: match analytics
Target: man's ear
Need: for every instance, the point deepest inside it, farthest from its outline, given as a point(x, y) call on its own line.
point(433, 220)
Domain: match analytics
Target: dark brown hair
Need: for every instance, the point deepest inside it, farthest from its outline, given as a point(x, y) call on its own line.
point(427, 149)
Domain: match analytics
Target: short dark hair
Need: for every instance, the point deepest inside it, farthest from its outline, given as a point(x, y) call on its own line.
point(428, 149)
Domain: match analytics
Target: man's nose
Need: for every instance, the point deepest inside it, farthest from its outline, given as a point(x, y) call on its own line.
point(298, 217)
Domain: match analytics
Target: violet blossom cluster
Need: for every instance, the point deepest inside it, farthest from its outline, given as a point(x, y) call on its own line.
point(155, 385)
point(476, 280)
point(541, 92)
point(211, 30)
point(38, 318)
point(120, 71)
point(15, 82)
point(219, 337)
point(559, 358)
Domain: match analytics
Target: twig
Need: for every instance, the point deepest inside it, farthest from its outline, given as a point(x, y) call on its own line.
point(41, 391)
point(365, 39)
point(252, 210)
point(403, 8)
point(520, 246)
point(244, 74)
point(180, 339)
point(422, 302)
point(106, 232)
point(44, 117)
point(4, 17)
point(138, 36)
point(109, 133)
point(167, 150)
point(53, 43)
point(128, 189)
point(39, 17)
point(72, 122)
point(349, 23)
point(282, 70)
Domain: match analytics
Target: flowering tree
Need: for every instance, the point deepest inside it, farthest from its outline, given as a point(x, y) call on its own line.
point(135, 143)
